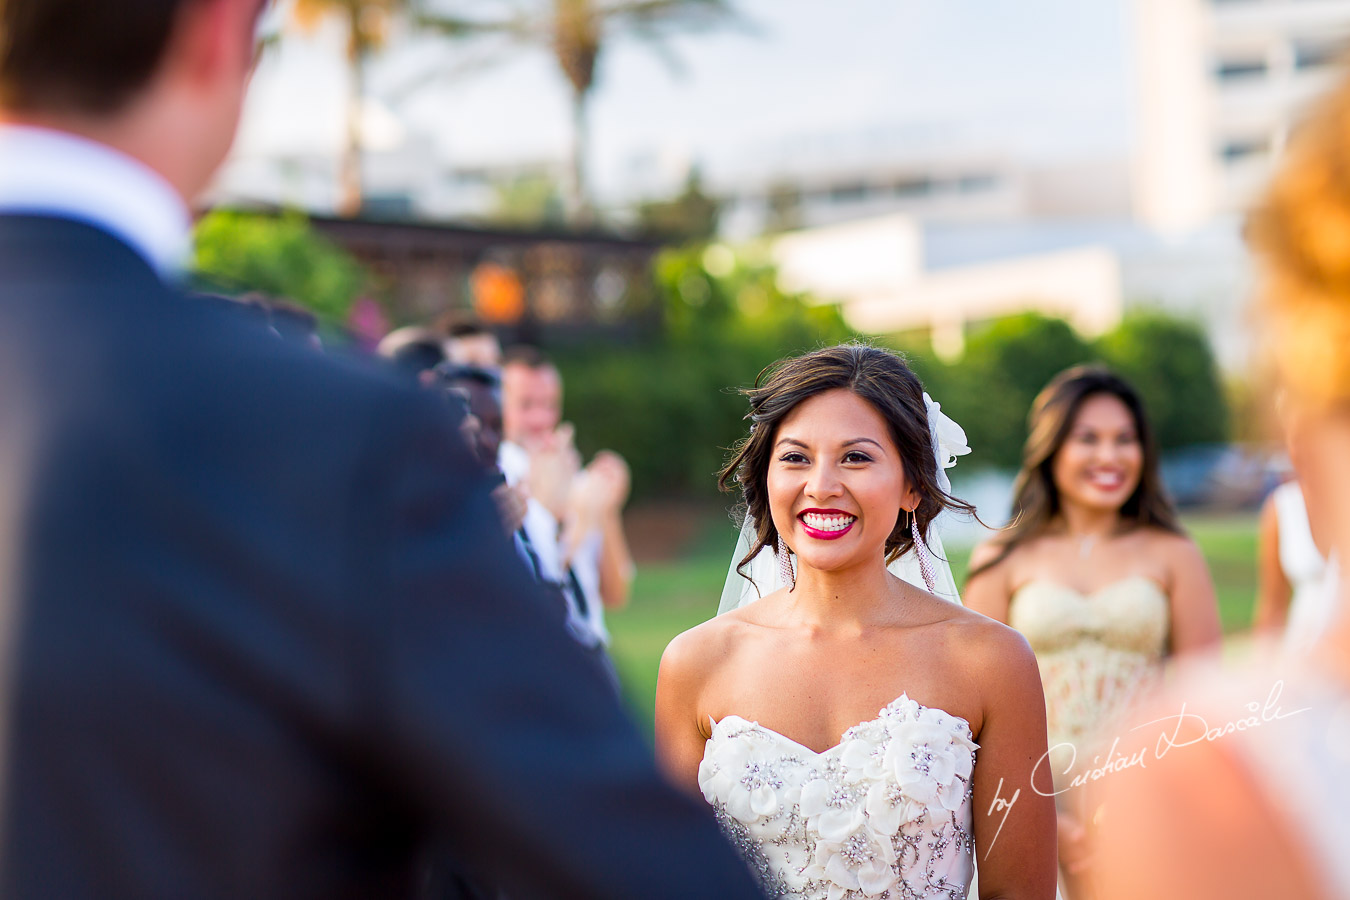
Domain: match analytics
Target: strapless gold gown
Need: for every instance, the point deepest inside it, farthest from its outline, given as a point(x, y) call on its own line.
point(1096, 652)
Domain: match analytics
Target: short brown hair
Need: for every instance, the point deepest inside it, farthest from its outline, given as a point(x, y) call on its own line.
point(81, 56)
point(527, 355)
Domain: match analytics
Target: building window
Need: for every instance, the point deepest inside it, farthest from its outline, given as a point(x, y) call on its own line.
point(1240, 69)
point(850, 192)
point(974, 184)
point(912, 187)
point(1243, 149)
point(1309, 55)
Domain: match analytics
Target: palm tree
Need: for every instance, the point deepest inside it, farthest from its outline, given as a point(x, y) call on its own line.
point(367, 24)
point(576, 32)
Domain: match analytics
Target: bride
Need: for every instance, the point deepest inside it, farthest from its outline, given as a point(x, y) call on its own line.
point(857, 736)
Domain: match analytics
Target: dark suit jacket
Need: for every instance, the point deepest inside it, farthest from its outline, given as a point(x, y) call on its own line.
point(261, 634)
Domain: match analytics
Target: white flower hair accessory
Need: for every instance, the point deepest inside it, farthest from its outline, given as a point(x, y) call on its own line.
point(949, 440)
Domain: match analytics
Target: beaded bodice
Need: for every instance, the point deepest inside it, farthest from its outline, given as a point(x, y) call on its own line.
point(883, 815)
point(1095, 652)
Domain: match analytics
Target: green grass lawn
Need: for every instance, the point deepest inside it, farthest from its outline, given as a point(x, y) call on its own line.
point(671, 597)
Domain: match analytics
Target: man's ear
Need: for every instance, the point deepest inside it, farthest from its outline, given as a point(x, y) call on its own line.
point(212, 39)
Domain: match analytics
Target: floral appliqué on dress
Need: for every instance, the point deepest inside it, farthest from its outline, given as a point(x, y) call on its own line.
point(884, 814)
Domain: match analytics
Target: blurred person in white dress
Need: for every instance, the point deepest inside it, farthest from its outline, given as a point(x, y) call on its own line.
point(1293, 604)
point(1293, 607)
point(1251, 794)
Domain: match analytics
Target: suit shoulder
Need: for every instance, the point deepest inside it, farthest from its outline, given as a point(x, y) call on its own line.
point(225, 361)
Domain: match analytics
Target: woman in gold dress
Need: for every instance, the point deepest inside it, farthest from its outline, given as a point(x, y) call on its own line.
point(1096, 573)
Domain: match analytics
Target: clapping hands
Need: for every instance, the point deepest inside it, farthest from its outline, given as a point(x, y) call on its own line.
point(554, 465)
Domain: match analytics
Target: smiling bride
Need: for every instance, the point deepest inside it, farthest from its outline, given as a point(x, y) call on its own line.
point(857, 735)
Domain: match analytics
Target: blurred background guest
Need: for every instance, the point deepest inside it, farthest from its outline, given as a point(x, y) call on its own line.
point(574, 518)
point(1292, 603)
point(1292, 600)
point(1253, 797)
point(1095, 571)
point(480, 391)
point(413, 349)
point(470, 343)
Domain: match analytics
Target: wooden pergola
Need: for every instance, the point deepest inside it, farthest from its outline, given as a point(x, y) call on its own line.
point(569, 284)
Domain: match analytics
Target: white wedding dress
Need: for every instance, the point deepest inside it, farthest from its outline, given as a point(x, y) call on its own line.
point(883, 815)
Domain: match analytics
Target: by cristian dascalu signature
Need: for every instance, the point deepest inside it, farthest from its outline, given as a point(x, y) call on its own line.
point(1170, 738)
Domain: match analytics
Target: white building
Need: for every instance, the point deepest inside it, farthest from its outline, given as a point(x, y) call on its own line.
point(1219, 84)
point(933, 173)
point(878, 271)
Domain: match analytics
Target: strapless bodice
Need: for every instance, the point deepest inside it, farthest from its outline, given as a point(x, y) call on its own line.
point(1095, 652)
point(1129, 615)
point(885, 813)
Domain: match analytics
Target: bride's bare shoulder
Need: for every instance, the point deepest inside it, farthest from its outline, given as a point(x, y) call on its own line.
point(980, 640)
point(703, 649)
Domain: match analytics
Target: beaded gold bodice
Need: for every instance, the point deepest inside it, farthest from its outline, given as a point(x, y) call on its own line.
point(1095, 651)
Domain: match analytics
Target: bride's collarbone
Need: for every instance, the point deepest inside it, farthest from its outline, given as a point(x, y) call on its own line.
point(886, 619)
point(808, 697)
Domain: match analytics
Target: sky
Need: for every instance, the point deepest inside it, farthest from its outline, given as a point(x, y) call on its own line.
point(1039, 78)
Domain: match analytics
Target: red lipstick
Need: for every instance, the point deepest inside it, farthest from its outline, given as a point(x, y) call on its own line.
point(821, 534)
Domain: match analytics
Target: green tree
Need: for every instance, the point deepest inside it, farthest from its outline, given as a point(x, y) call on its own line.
point(670, 404)
point(527, 201)
point(691, 216)
point(1170, 363)
point(785, 207)
point(280, 257)
point(576, 33)
point(367, 23)
point(989, 391)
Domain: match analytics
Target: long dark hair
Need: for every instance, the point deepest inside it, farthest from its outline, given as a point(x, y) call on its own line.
point(1035, 497)
point(878, 376)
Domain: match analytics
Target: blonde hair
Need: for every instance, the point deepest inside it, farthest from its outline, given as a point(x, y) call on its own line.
point(1300, 233)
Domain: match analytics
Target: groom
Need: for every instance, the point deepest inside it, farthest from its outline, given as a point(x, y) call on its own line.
point(260, 634)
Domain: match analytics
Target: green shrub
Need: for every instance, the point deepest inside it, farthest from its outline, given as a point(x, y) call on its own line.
point(281, 257)
point(1006, 364)
point(1169, 362)
point(670, 406)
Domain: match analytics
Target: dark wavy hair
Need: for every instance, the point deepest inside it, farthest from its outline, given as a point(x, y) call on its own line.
point(1035, 497)
point(878, 376)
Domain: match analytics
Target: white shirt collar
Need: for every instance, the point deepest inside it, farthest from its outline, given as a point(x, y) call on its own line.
point(46, 172)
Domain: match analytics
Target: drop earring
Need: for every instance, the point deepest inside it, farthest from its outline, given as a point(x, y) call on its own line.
point(785, 572)
point(921, 551)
